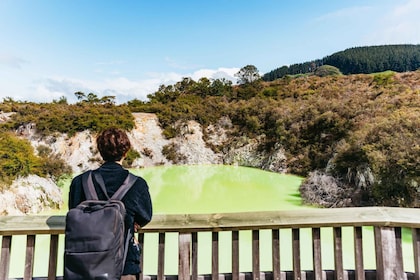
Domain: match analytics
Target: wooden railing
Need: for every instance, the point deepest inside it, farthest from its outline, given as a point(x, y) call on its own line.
point(388, 227)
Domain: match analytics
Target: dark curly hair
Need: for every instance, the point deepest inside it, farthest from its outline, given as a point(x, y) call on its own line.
point(113, 144)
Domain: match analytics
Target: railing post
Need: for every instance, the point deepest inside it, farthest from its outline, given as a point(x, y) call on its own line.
point(29, 259)
point(416, 252)
point(194, 257)
point(275, 244)
point(338, 253)
point(161, 256)
point(184, 243)
point(255, 254)
point(316, 252)
point(235, 255)
point(140, 237)
point(358, 253)
point(52, 264)
point(215, 255)
point(297, 273)
point(6, 247)
point(388, 261)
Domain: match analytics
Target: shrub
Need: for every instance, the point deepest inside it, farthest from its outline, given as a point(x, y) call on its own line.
point(327, 70)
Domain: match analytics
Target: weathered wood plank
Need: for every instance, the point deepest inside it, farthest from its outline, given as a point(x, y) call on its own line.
point(358, 253)
point(316, 244)
point(215, 256)
point(399, 266)
point(161, 256)
point(415, 232)
point(387, 265)
point(29, 258)
point(297, 272)
point(255, 254)
point(235, 255)
point(140, 239)
point(275, 245)
point(338, 253)
point(52, 262)
point(6, 247)
point(363, 216)
point(194, 257)
point(184, 245)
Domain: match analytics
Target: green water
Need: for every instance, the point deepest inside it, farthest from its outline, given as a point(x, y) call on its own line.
point(218, 189)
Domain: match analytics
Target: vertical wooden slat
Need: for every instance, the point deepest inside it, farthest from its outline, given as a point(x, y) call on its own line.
point(161, 256)
point(52, 263)
point(378, 254)
point(140, 238)
point(297, 273)
point(194, 257)
point(184, 244)
point(338, 254)
point(358, 254)
point(6, 247)
point(29, 258)
point(275, 244)
point(215, 256)
point(255, 254)
point(316, 244)
point(387, 262)
point(235, 255)
point(399, 265)
point(416, 251)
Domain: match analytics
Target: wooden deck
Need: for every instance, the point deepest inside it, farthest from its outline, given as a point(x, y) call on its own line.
point(388, 228)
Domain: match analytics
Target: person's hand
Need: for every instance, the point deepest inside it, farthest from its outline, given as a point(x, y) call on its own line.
point(136, 227)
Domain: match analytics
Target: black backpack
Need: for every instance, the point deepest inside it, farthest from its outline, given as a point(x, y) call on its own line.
point(95, 241)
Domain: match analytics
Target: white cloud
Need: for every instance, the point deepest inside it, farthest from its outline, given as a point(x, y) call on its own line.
point(399, 26)
point(12, 61)
point(124, 89)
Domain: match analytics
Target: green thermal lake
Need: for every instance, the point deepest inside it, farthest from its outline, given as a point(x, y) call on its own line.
point(215, 189)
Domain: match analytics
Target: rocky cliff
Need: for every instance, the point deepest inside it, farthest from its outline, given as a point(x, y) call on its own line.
point(191, 146)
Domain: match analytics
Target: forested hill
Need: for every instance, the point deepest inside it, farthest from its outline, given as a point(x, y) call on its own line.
point(358, 60)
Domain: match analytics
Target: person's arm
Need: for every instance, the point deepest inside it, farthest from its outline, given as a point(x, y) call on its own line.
point(143, 208)
point(76, 194)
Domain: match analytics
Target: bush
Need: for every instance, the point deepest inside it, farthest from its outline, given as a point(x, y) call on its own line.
point(17, 158)
point(326, 191)
point(327, 70)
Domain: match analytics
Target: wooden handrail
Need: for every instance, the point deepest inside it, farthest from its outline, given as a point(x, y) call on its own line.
point(311, 218)
point(386, 221)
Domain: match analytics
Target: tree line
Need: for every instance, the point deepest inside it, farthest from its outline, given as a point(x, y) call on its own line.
point(358, 60)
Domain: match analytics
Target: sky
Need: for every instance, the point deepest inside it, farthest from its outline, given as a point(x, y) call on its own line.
point(51, 49)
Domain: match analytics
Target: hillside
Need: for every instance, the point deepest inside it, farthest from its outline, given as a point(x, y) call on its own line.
point(358, 60)
point(354, 137)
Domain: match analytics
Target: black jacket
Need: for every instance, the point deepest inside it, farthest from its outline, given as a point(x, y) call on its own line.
point(137, 202)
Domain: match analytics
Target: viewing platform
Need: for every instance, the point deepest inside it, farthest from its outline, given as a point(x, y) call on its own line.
point(294, 237)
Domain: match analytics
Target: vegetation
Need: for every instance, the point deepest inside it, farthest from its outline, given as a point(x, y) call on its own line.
point(90, 113)
point(18, 156)
point(398, 58)
point(18, 159)
point(345, 125)
point(362, 130)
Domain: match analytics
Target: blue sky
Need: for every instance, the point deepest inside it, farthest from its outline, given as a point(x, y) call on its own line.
point(53, 48)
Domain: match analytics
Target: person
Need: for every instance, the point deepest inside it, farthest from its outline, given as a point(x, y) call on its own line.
point(113, 145)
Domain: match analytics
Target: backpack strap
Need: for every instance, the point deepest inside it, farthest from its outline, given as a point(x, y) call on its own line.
point(100, 180)
point(88, 186)
point(125, 187)
point(122, 190)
